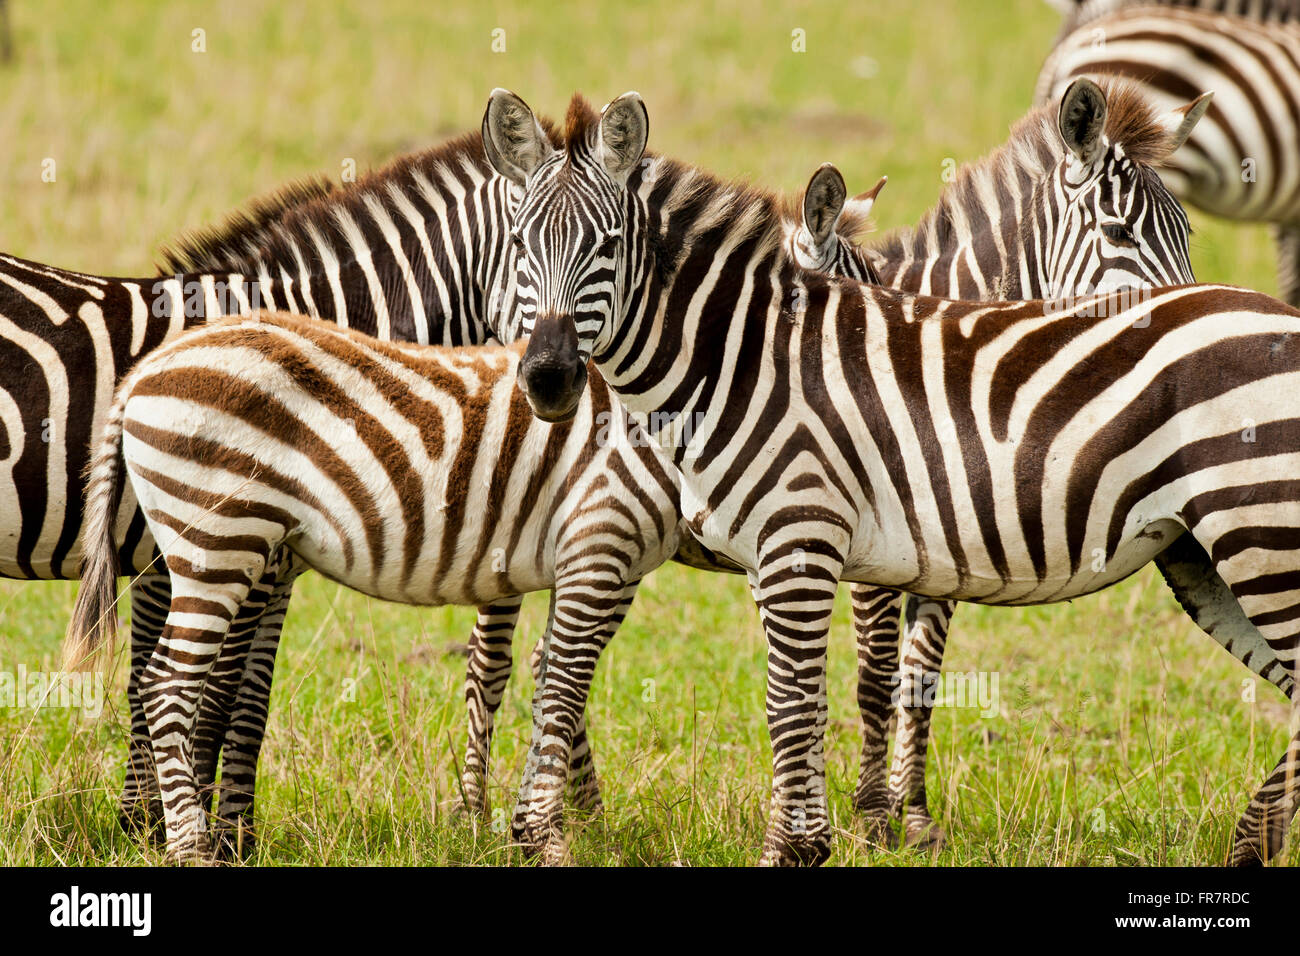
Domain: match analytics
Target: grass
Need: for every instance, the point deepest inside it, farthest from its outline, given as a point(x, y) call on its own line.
point(1123, 736)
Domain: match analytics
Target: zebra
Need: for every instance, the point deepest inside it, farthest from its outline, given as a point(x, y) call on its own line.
point(960, 450)
point(235, 699)
point(1242, 163)
point(991, 237)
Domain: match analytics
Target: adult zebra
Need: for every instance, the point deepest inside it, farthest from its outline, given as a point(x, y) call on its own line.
point(848, 432)
point(1077, 207)
point(1243, 161)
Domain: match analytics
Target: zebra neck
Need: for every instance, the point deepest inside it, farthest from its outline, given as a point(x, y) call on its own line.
point(417, 261)
point(973, 243)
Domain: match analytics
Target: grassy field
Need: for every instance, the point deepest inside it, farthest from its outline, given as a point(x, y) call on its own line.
point(1122, 735)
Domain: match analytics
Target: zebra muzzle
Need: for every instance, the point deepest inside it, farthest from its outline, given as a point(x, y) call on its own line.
point(552, 373)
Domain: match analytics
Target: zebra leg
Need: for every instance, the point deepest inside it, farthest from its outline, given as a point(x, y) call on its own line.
point(234, 836)
point(585, 617)
point(924, 642)
point(795, 589)
point(486, 675)
point(875, 622)
point(1288, 262)
point(584, 790)
point(1265, 582)
point(140, 806)
point(222, 689)
point(204, 602)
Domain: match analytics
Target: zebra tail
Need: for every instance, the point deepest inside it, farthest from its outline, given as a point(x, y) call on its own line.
point(94, 618)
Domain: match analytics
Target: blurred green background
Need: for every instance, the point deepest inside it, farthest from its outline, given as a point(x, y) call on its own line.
point(1123, 736)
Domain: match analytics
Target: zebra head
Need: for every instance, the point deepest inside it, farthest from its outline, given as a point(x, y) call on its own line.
point(568, 235)
point(821, 241)
point(1103, 220)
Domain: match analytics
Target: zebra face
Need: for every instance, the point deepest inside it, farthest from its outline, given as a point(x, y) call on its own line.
point(1104, 221)
point(567, 233)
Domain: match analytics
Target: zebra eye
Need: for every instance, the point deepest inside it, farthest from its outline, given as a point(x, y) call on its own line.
point(607, 248)
point(1119, 234)
point(518, 241)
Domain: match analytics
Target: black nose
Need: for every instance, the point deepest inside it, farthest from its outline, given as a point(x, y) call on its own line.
point(552, 372)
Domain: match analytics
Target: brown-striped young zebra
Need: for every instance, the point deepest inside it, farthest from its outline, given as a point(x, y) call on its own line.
point(1243, 161)
point(980, 452)
point(600, 530)
point(411, 252)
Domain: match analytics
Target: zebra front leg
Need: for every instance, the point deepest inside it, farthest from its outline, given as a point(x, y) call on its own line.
point(486, 675)
point(206, 596)
point(584, 790)
point(140, 807)
point(234, 836)
point(924, 642)
point(585, 616)
point(1288, 263)
point(875, 623)
point(795, 589)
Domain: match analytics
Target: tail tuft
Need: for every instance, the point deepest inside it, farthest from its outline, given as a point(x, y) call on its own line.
point(94, 618)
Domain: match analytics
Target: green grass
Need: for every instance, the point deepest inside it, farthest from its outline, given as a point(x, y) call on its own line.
point(1113, 703)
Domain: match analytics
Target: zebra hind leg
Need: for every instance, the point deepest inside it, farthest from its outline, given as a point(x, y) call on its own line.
point(140, 809)
point(234, 837)
point(486, 675)
point(1264, 589)
point(875, 623)
point(924, 643)
point(203, 604)
point(585, 617)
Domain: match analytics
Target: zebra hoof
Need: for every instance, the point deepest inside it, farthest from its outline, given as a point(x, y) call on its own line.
point(877, 830)
point(1248, 850)
point(539, 839)
point(192, 853)
point(233, 843)
point(142, 819)
point(473, 806)
point(784, 850)
point(922, 833)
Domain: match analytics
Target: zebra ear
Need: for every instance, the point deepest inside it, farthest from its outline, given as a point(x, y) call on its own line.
point(1082, 118)
point(860, 206)
point(624, 129)
point(514, 141)
point(822, 202)
point(1180, 122)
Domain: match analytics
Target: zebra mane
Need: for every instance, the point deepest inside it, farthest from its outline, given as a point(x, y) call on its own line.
point(692, 206)
point(1081, 12)
point(294, 211)
point(1033, 147)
